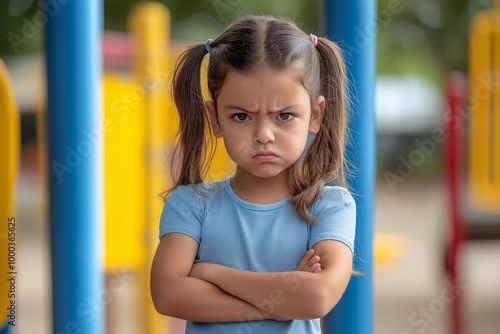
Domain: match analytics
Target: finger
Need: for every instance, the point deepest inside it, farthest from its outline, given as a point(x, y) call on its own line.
point(310, 263)
point(313, 268)
point(307, 256)
point(313, 260)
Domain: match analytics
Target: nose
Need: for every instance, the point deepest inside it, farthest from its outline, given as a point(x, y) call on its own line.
point(263, 134)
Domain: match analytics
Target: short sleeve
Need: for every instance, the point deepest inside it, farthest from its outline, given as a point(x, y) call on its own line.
point(335, 215)
point(183, 213)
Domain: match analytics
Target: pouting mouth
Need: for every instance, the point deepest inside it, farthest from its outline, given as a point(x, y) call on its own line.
point(265, 153)
point(265, 156)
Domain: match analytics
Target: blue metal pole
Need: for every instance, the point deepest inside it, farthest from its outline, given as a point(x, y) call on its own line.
point(74, 138)
point(353, 26)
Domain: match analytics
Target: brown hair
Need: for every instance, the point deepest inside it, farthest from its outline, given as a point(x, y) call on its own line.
point(249, 42)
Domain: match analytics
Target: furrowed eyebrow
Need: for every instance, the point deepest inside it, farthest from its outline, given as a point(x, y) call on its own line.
point(256, 112)
point(240, 109)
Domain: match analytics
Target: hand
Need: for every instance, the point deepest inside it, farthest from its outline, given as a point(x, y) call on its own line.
point(309, 262)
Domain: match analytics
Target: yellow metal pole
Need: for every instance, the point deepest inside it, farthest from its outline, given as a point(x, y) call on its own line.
point(484, 97)
point(9, 153)
point(150, 24)
point(124, 184)
point(123, 146)
point(495, 111)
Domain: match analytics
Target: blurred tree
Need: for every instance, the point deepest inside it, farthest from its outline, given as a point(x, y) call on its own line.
point(199, 18)
point(428, 37)
point(20, 28)
point(22, 21)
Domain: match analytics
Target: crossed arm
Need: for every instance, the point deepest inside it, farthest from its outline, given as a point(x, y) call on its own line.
point(228, 294)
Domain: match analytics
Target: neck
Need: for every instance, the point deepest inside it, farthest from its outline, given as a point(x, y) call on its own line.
point(260, 190)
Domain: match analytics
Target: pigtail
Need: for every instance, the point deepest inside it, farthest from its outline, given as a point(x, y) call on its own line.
point(188, 166)
point(324, 160)
point(333, 131)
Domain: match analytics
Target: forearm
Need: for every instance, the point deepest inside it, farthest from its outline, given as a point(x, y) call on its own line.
point(297, 294)
point(197, 300)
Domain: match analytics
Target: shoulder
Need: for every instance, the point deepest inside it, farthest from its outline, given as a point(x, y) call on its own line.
point(194, 196)
point(333, 197)
point(198, 191)
point(185, 209)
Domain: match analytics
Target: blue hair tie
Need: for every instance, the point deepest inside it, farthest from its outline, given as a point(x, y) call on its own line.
point(207, 44)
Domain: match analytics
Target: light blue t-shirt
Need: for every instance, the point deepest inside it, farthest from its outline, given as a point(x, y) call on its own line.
point(256, 237)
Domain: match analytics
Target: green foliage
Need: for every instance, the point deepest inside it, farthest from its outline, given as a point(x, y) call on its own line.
point(200, 19)
point(20, 31)
point(428, 37)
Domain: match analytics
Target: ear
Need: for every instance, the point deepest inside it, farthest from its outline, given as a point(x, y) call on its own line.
point(210, 106)
point(318, 108)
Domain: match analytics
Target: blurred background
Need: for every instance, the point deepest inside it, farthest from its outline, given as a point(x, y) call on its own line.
point(423, 49)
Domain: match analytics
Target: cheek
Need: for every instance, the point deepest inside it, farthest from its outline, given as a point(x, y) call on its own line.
point(294, 145)
point(237, 142)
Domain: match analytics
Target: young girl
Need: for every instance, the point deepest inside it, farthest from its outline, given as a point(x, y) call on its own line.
point(269, 249)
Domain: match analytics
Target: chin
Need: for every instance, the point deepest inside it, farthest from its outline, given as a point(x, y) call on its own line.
point(266, 174)
point(264, 170)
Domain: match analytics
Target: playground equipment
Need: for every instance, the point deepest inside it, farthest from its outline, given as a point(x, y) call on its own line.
point(9, 153)
point(474, 187)
point(132, 142)
point(73, 121)
point(134, 159)
point(456, 94)
point(484, 147)
point(354, 313)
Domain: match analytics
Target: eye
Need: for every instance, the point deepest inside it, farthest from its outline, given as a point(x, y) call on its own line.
point(240, 117)
point(285, 116)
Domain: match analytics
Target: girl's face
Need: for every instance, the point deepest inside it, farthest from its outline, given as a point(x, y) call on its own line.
point(264, 117)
